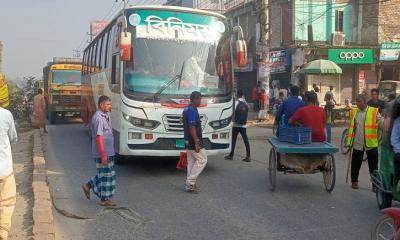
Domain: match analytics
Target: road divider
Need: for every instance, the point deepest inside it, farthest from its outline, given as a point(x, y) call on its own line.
point(43, 221)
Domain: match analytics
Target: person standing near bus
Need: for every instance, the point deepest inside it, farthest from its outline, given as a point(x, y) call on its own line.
point(196, 154)
point(39, 110)
point(363, 137)
point(395, 140)
point(8, 195)
point(255, 96)
point(239, 126)
point(103, 184)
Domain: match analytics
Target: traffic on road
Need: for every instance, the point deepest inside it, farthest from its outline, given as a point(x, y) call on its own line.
point(138, 138)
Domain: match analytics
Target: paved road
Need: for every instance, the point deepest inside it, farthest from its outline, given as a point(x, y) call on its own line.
point(235, 201)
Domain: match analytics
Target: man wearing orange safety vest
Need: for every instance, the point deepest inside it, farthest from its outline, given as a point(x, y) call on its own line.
point(363, 137)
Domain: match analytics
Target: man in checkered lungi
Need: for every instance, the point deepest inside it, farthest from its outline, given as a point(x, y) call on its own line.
point(103, 184)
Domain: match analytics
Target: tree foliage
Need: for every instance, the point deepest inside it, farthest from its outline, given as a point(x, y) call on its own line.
point(21, 98)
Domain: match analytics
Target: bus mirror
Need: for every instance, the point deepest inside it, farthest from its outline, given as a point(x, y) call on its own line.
point(126, 46)
point(241, 53)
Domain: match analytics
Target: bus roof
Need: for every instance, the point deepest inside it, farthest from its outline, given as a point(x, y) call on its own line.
point(175, 8)
point(159, 7)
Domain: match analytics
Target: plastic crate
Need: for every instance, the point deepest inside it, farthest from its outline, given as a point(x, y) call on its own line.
point(295, 135)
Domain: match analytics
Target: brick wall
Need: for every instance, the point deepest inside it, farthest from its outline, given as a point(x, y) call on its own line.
point(389, 21)
point(369, 30)
point(275, 24)
point(381, 21)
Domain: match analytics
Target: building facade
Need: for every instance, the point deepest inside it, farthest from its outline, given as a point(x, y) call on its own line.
point(361, 36)
point(348, 32)
point(211, 5)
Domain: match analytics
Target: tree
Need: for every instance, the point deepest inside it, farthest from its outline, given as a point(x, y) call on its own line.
point(21, 98)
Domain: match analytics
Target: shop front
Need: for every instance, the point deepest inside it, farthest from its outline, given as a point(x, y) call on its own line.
point(389, 60)
point(358, 72)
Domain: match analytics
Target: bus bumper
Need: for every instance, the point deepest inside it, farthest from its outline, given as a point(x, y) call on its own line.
point(165, 145)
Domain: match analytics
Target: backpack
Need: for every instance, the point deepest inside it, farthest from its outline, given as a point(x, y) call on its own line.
point(241, 113)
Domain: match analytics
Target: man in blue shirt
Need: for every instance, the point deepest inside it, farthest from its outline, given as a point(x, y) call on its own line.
point(289, 106)
point(196, 154)
point(103, 184)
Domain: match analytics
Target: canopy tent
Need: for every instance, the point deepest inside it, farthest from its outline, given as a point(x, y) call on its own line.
point(321, 67)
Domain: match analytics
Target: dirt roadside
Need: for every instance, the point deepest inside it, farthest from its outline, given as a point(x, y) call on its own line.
point(22, 220)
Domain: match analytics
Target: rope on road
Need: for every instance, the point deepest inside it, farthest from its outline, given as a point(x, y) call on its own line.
point(124, 212)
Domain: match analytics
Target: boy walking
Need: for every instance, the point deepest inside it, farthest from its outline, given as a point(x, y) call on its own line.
point(239, 126)
point(196, 154)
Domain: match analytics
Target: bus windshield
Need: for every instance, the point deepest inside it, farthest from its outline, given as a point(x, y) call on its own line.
point(197, 66)
point(66, 77)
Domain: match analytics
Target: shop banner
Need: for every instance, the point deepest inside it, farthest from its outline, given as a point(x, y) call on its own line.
point(389, 51)
point(279, 60)
point(351, 56)
point(96, 27)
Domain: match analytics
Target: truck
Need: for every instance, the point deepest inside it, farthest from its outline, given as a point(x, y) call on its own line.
point(4, 95)
point(62, 87)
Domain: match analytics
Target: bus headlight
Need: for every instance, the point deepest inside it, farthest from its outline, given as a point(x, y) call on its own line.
point(221, 123)
point(139, 122)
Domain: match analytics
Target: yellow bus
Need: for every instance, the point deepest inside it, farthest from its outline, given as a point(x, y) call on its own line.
point(4, 96)
point(62, 84)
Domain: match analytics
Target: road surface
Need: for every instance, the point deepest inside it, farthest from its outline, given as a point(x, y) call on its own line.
point(234, 202)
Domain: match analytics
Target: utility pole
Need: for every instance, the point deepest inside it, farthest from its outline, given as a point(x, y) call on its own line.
point(264, 16)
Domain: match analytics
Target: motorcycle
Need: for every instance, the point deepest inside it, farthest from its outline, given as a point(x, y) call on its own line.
point(387, 226)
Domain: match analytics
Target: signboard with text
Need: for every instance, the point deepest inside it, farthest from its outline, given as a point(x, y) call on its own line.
point(351, 56)
point(389, 51)
point(96, 27)
point(279, 60)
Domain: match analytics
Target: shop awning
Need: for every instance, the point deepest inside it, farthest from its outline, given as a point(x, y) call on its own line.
point(321, 67)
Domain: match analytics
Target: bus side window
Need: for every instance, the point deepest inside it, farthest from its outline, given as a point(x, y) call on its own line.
point(115, 74)
point(114, 70)
point(105, 49)
point(93, 59)
point(84, 63)
point(99, 52)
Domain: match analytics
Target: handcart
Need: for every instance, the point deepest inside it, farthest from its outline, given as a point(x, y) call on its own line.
point(302, 159)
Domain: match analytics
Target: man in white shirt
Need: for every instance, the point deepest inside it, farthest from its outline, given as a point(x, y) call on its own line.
point(8, 195)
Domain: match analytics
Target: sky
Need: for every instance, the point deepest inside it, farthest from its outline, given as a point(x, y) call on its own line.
point(35, 31)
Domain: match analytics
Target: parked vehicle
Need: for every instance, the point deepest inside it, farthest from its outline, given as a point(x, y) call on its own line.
point(387, 87)
point(387, 226)
point(4, 96)
point(62, 87)
point(148, 60)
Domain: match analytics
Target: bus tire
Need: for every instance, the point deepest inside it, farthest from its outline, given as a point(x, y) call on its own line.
point(52, 116)
point(119, 159)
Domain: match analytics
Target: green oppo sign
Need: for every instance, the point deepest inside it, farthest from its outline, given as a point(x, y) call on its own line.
point(351, 56)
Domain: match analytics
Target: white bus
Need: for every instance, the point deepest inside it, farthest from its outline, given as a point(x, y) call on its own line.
point(148, 60)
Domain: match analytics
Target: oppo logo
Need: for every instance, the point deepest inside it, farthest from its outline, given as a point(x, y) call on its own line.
point(351, 55)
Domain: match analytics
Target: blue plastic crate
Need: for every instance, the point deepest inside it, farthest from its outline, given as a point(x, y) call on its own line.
point(295, 135)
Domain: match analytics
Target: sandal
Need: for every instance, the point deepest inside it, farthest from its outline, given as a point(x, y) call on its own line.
point(107, 203)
